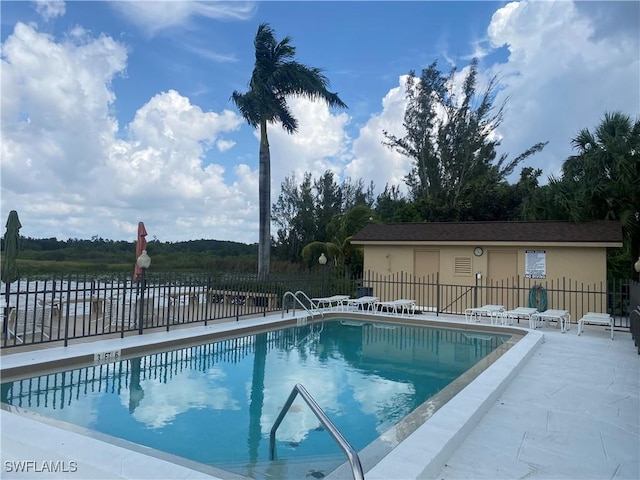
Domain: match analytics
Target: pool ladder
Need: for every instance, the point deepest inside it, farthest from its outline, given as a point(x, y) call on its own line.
point(352, 455)
point(296, 299)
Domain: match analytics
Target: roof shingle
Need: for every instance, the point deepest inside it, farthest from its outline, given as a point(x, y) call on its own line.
point(540, 231)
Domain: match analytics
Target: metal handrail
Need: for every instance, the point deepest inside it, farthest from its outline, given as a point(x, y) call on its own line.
point(300, 292)
point(297, 300)
point(352, 455)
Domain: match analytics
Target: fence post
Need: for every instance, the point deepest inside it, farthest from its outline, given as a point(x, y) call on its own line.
point(120, 311)
point(475, 293)
point(208, 305)
point(437, 293)
point(168, 280)
point(66, 314)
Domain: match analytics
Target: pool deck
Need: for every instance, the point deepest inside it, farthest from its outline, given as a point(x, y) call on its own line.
point(555, 406)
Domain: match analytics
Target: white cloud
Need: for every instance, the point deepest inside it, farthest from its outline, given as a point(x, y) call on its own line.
point(55, 114)
point(66, 170)
point(371, 159)
point(319, 144)
point(49, 9)
point(152, 18)
point(559, 77)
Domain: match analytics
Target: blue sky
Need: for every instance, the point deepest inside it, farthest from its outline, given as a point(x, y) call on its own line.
point(120, 112)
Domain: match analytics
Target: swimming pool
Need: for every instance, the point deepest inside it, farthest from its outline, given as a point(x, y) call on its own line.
point(196, 401)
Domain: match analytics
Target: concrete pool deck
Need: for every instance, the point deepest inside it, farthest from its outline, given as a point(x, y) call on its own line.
point(567, 407)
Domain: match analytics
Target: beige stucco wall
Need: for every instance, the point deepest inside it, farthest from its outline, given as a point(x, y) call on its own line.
point(568, 267)
point(583, 264)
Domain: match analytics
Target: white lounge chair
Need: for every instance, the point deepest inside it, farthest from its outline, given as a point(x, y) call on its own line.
point(563, 317)
point(27, 322)
point(494, 312)
point(597, 319)
point(401, 306)
point(339, 301)
point(363, 303)
point(518, 313)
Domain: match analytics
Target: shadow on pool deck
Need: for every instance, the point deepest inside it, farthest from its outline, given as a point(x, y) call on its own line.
point(571, 412)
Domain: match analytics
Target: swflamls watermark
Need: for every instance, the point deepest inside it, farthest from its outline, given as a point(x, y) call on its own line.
point(40, 466)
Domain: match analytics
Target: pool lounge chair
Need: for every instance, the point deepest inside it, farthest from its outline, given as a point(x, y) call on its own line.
point(401, 306)
point(518, 313)
point(337, 301)
point(365, 303)
point(563, 317)
point(595, 318)
point(23, 322)
point(494, 312)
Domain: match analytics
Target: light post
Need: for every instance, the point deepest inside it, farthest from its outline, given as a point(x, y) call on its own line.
point(322, 261)
point(144, 262)
point(475, 290)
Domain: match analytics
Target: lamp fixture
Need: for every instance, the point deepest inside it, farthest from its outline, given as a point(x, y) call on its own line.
point(144, 260)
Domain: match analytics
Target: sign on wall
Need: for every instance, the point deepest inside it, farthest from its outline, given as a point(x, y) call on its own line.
point(535, 264)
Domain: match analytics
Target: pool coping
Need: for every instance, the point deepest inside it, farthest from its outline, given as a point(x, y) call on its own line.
point(421, 455)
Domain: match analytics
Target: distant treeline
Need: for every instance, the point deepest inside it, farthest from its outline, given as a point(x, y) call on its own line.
point(53, 256)
point(45, 247)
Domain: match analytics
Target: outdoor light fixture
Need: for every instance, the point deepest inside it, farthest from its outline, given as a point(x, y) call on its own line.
point(323, 259)
point(478, 275)
point(144, 260)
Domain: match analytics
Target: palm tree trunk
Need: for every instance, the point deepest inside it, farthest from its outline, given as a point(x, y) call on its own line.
point(264, 205)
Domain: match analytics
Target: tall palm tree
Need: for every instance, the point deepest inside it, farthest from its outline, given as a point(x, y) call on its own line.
point(275, 77)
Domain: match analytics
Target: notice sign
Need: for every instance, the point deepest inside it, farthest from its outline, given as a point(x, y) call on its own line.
point(535, 264)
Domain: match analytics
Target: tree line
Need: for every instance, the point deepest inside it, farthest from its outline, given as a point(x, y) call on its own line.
point(53, 256)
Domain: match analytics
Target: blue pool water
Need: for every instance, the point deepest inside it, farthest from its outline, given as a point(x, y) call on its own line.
point(216, 403)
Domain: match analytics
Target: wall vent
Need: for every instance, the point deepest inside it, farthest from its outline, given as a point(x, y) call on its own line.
point(462, 266)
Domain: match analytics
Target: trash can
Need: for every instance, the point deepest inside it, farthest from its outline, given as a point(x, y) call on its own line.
point(364, 292)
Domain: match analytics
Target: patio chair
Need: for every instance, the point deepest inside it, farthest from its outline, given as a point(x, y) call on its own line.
point(22, 322)
point(597, 319)
point(401, 306)
point(563, 317)
point(494, 312)
point(366, 302)
point(518, 313)
point(338, 301)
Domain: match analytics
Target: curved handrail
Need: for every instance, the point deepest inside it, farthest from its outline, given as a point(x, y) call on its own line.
point(300, 292)
point(297, 300)
point(352, 455)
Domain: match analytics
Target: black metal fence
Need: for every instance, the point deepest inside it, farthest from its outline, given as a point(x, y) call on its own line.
point(576, 297)
point(79, 306)
point(72, 307)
